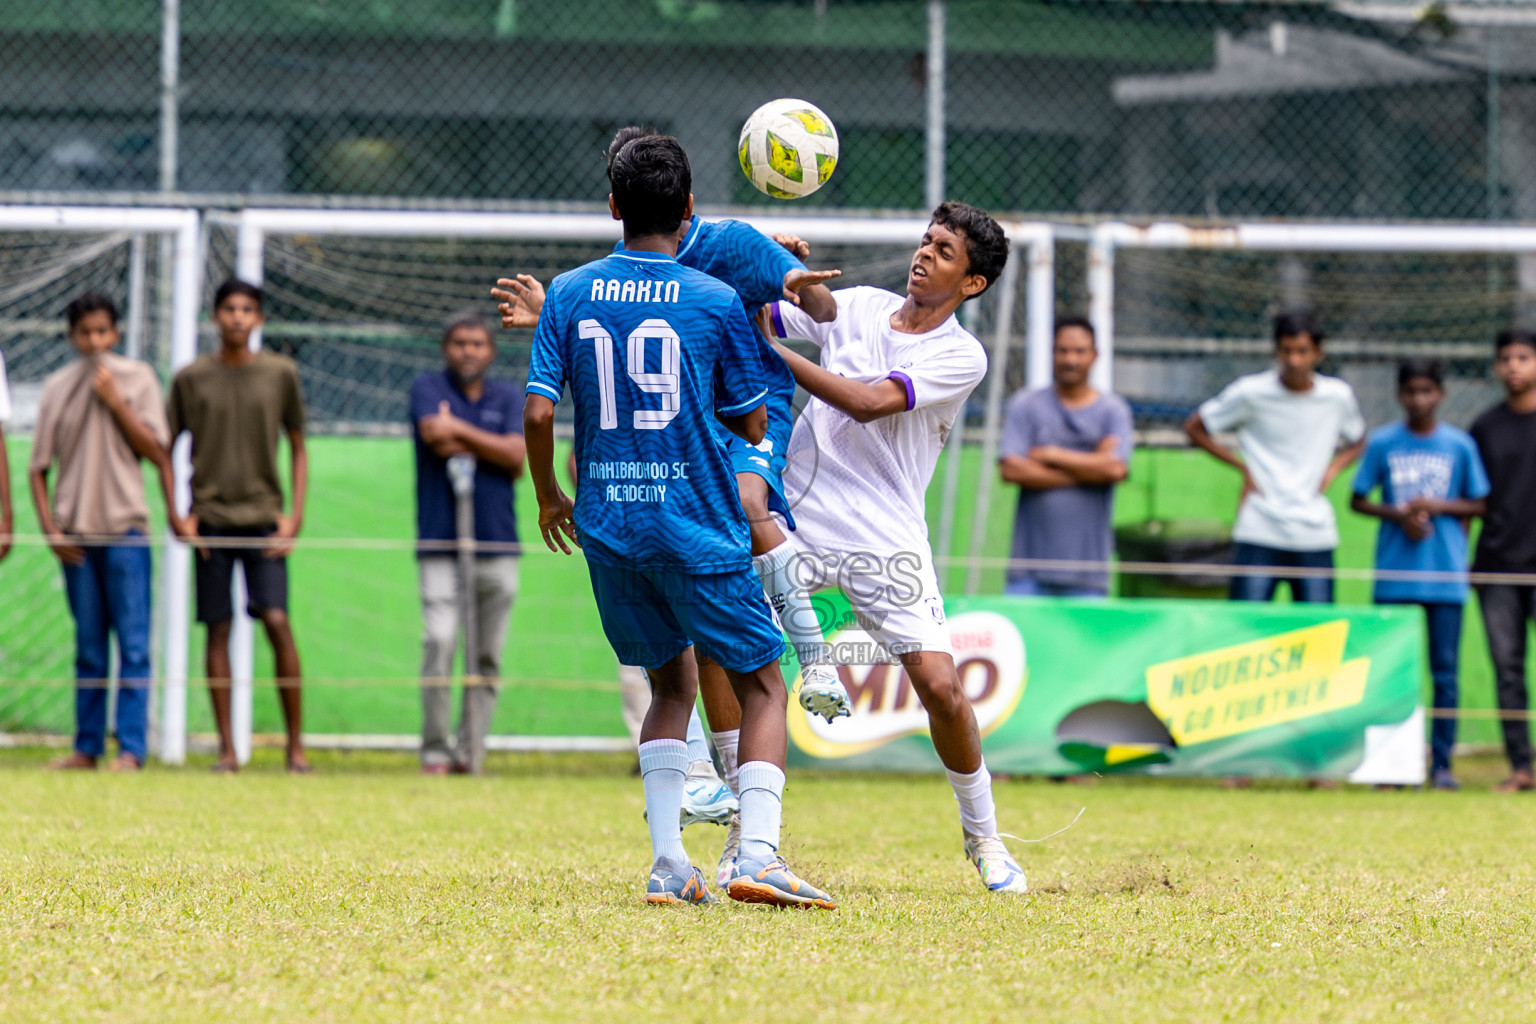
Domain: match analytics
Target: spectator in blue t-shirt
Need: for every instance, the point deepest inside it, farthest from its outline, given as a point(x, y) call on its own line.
point(1432, 480)
point(459, 411)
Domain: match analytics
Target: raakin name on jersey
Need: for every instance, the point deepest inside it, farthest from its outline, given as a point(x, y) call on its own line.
point(611, 290)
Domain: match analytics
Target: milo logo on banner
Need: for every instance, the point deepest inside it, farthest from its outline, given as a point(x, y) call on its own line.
point(989, 657)
point(1260, 683)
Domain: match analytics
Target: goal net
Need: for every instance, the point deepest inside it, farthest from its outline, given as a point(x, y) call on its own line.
point(147, 261)
point(1185, 310)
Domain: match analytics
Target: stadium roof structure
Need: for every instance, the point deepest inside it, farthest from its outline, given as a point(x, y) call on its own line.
point(1282, 59)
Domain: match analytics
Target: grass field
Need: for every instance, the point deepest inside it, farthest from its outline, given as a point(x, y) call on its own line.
point(367, 893)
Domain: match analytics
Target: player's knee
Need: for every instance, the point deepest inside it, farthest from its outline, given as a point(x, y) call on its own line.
point(765, 683)
point(940, 693)
point(274, 619)
point(218, 632)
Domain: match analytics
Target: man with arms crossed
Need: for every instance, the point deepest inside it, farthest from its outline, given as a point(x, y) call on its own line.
point(894, 375)
point(461, 411)
point(1066, 446)
point(653, 351)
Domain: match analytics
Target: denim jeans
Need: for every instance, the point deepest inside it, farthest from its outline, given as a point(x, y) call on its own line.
point(1444, 627)
point(1304, 589)
point(109, 592)
point(1030, 587)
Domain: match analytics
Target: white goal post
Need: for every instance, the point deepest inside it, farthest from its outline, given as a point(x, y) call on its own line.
point(182, 228)
point(1031, 255)
point(1106, 238)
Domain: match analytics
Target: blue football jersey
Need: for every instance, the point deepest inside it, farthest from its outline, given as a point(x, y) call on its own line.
point(754, 266)
point(651, 351)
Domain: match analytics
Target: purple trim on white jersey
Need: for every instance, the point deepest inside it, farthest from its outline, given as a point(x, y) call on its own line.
point(778, 321)
point(906, 382)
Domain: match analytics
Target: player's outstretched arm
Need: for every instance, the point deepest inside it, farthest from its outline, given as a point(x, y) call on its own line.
point(863, 402)
point(556, 510)
point(520, 299)
point(805, 288)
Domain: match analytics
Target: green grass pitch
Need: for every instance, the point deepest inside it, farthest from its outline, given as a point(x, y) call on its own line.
point(367, 893)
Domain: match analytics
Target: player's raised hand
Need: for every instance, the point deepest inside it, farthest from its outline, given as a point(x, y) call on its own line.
point(796, 245)
point(520, 299)
point(796, 280)
point(556, 517)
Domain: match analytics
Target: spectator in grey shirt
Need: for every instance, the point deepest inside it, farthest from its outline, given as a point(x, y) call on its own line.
point(1066, 446)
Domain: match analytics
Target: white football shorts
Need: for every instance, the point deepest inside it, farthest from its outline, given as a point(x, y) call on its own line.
point(894, 596)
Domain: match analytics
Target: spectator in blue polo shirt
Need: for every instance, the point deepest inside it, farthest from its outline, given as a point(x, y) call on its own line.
point(458, 411)
point(1432, 481)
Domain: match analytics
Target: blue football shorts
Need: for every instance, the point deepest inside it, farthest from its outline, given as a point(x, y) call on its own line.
point(650, 616)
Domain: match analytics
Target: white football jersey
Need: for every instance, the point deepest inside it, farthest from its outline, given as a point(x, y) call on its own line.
point(860, 487)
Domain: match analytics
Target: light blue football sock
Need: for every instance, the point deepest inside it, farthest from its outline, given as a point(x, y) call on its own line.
point(698, 746)
point(762, 807)
point(779, 571)
point(663, 767)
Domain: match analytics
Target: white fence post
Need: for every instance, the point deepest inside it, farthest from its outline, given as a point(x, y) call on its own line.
point(177, 565)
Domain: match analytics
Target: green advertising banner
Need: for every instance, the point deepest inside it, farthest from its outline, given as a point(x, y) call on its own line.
point(1192, 688)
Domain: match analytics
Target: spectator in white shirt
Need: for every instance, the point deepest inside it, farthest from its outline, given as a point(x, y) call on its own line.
point(1291, 422)
point(7, 520)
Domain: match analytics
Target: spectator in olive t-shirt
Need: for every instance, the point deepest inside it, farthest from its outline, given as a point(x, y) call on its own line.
point(235, 403)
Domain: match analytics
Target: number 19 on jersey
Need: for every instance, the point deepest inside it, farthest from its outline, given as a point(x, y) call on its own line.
point(664, 383)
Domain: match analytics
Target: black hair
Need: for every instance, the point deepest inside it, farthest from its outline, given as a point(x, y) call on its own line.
point(471, 320)
point(235, 286)
point(1413, 369)
point(651, 182)
point(624, 136)
point(90, 302)
point(1294, 322)
point(1514, 336)
point(1074, 320)
point(986, 247)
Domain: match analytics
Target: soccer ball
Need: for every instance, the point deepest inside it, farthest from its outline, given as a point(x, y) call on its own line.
point(788, 148)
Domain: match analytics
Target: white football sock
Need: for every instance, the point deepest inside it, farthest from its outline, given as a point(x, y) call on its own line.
point(726, 742)
point(698, 746)
point(973, 792)
point(762, 807)
point(663, 765)
point(791, 600)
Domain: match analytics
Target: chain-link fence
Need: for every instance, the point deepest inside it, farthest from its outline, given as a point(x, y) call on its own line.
point(1339, 109)
point(1070, 112)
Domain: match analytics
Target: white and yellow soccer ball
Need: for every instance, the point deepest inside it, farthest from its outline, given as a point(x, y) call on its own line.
point(788, 148)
